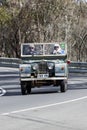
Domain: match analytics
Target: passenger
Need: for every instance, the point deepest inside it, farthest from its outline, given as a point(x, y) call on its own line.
point(57, 49)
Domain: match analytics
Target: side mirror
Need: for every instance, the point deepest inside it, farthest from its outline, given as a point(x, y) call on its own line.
point(68, 62)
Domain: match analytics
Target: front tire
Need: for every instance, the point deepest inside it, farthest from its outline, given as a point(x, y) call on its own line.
point(63, 86)
point(29, 86)
point(23, 89)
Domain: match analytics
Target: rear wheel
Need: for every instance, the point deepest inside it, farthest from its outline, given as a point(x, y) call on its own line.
point(63, 86)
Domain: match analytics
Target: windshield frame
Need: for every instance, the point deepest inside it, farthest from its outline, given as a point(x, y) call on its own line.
point(44, 45)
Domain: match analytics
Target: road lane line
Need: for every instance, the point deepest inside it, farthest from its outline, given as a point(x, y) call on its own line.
point(2, 92)
point(44, 106)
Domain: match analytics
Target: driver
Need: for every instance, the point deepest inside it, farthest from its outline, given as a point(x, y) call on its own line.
point(32, 50)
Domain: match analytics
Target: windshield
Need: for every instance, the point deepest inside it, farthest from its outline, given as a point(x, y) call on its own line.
point(40, 49)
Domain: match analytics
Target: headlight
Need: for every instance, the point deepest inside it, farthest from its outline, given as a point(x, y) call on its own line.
point(50, 66)
point(35, 66)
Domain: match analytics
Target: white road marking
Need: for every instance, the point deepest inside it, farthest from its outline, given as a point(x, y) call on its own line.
point(44, 106)
point(2, 92)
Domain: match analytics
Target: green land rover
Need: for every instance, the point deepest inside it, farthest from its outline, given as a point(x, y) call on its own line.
point(43, 64)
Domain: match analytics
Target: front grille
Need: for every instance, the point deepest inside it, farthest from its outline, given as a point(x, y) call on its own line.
point(42, 67)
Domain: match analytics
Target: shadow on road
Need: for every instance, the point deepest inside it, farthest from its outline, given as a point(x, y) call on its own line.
point(17, 91)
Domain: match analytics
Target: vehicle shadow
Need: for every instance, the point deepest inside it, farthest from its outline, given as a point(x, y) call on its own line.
point(17, 91)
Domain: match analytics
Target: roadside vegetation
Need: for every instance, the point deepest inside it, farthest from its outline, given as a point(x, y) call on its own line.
point(23, 21)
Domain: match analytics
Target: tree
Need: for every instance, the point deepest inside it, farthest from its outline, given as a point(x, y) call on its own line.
point(45, 21)
point(5, 17)
point(79, 33)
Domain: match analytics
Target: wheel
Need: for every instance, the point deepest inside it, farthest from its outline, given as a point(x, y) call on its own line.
point(23, 89)
point(63, 86)
point(29, 85)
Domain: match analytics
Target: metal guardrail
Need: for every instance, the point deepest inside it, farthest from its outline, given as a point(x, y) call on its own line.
point(74, 67)
point(9, 62)
point(78, 67)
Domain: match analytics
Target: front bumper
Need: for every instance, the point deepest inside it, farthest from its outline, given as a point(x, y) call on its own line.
point(38, 79)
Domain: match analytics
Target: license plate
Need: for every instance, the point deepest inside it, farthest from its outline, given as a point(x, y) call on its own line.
point(42, 75)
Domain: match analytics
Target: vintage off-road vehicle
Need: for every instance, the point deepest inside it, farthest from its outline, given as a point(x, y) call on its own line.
point(43, 64)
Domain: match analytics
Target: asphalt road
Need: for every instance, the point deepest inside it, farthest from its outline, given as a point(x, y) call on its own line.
point(44, 108)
